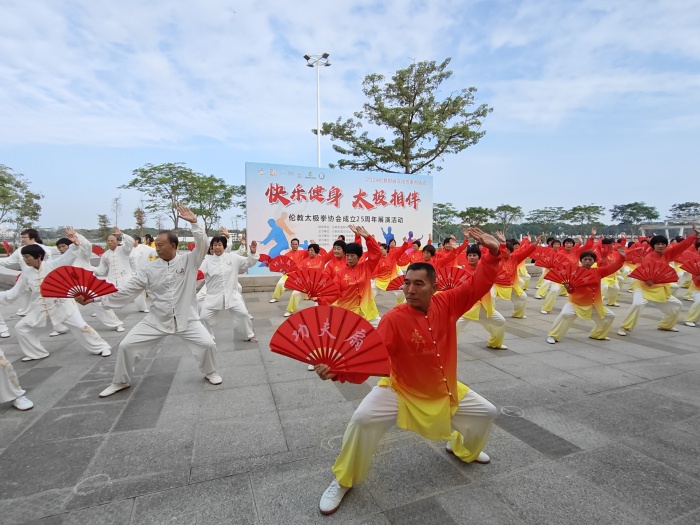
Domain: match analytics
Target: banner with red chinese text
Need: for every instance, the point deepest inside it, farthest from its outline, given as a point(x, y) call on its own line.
point(285, 202)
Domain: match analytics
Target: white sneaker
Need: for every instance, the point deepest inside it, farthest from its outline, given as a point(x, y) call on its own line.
point(674, 329)
point(7, 334)
point(144, 311)
point(113, 389)
point(502, 347)
point(56, 332)
point(622, 332)
point(253, 339)
point(551, 340)
point(27, 358)
point(214, 378)
point(93, 315)
point(22, 403)
point(120, 328)
point(483, 456)
point(538, 297)
point(545, 312)
point(687, 323)
point(274, 300)
point(106, 353)
point(311, 368)
point(287, 314)
point(333, 495)
point(251, 317)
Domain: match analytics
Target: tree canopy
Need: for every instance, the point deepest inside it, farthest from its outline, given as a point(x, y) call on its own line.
point(19, 205)
point(634, 214)
point(684, 211)
point(424, 129)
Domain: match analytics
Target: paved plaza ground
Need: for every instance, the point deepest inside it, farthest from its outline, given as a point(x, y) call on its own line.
point(588, 432)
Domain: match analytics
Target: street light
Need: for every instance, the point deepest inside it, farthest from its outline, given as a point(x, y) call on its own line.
point(317, 61)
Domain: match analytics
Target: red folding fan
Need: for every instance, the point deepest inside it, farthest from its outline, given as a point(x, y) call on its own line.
point(404, 260)
point(548, 258)
point(449, 277)
point(692, 265)
point(282, 263)
point(333, 336)
point(264, 259)
point(312, 282)
point(8, 248)
point(636, 253)
point(97, 250)
point(190, 246)
point(658, 272)
point(396, 283)
point(70, 282)
point(200, 275)
point(574, 276)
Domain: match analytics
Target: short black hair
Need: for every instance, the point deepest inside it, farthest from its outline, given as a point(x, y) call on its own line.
point(510, 247)
point(416, 242)
point(569, 239)
point(550, 240)
point(679, 238)
point(608, 241)
point(430, 249)
point(447, 240)
point(64, 240)
point(418, 266)
point(32, 234)
point(294, 239)
point(658, 239)
point(137, 238)
point(148, 238)
point(315, 247)
point(353, 248)
point(35, 251)
point(341, 244)
point(341, 238)
point(588, 253)
point(474, 249)
point(556, 240)
point(383, 245)
point(218, 238)
point(172, 237)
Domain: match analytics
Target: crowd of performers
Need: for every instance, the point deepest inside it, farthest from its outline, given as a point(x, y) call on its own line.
point(421, 331)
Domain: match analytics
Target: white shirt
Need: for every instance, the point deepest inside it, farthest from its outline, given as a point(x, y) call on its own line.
point(16, 262)
point(115, 265)
point(221, 278)
point(41, 309)
point(170, 285)
point(141, 256)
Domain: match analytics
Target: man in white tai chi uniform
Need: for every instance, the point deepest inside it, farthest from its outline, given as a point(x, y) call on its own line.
point(170, 282)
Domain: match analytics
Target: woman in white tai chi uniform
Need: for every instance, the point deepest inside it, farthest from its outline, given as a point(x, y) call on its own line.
point(44, 310)
point(170, 282)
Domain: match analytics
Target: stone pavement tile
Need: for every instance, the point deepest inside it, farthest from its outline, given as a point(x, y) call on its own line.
point(36, 506)
point(573, 431)
point(480, 372)
point(375, 519)
point(635, 350)
point(658, 492)
point(248, 357)
point(539, 438)
point(686, 363)
point(115, 513)
point(515, 392)
point(409, 471)
point(564, 385)
point(600, 355)
point(423, 512)
point(236, 402)
point(647, 370)
point(163, 365)
point(476, 351)
point(562, 360)
point(308, 392)
point(691, 425)
point(685, 387)
point(549, 494)
point(660, 407)
point(692, 518)
point(607, 376)
point(74, 422)
point(531, 346)
point(238, 437)
point(241, 466)
point(290, 494)
point(88, 393)
point(139, 415)
point(180, 410)
point(12, 425)
point(309, 426)
point(37, 467)
point(473, 504)
point(34, 377)
point(226, 501)
point(281, 369)
point(520, 365)
point(354, 391)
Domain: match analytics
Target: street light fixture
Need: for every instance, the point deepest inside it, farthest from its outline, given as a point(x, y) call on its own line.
point(318, 61)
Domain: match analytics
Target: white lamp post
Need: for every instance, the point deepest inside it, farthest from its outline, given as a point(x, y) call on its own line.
point(317, 61)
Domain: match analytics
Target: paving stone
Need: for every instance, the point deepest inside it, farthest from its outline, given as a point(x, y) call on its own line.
point(115, 513)
point(74, 422)
point(537, 437)
point(600, 355)
point(424, 512)
point(468, 505)
point(303, 428)
point(227, 501)
point(607, 376)
point(237, 402)
point(33, 507)
point(308, 392)
point(647, 370)
point(573, 431)
point(562, 360)
point(37, 375)
point(480, 372)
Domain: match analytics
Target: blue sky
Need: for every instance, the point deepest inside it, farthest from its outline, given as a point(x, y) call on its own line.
point(594, 101)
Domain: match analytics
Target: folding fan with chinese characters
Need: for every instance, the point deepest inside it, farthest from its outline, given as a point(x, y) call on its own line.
point(658, 272)
point(97, 250)
point(548, 258)
point(312, 282)
point(71, 282)
point(449, 277)
point(282, 263)
point(264, 259)
point(571, 274)
point(333, 336)
point(396, 283)
point(636, 253)
point(8, 248)
point(691, 264)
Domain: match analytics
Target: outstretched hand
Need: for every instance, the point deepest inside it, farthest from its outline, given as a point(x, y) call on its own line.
point(621, 251)
point(226, 233)
point(485, 239)
point(117, 231)
point(72, 235)
point(186, 214)
point(253, 246)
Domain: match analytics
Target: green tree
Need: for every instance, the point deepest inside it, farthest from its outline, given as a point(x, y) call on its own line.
point(506, 215)
point(581, 215)
point(477, 215)
point(209, 196)
point(444, 215)
point(546, 218)
point(19, 205)
point(684, 211)
point(424, 129)
point(140, 219)
point(634, 214)
point(104, 228)
point(165, 187)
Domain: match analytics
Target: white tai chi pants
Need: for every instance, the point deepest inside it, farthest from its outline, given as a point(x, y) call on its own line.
point(9, 384)
point(237, 310)
point(3, 324)
point(377, 413)
point(29, 336)
point(142, 337)
point(671, 310)
point(495, 326)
